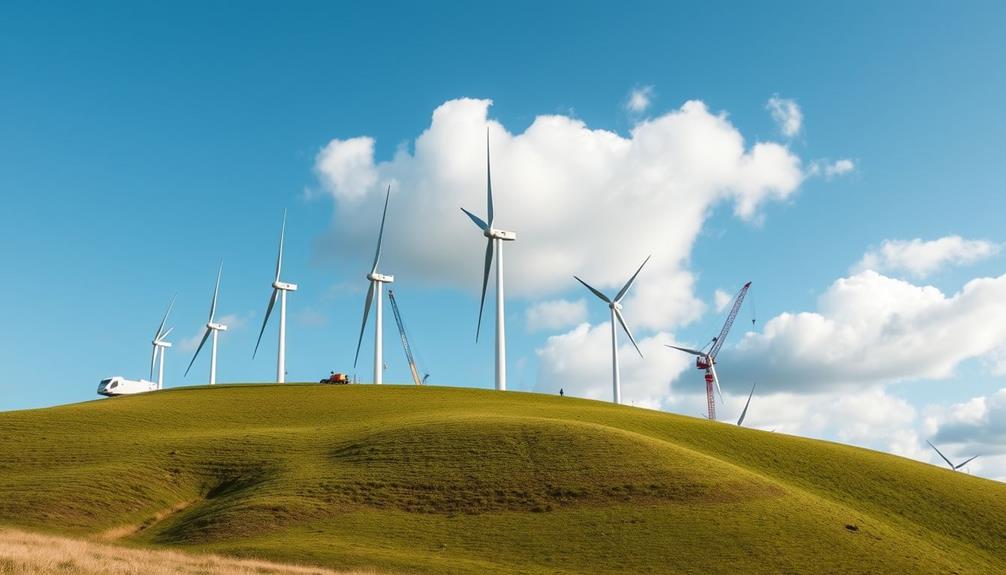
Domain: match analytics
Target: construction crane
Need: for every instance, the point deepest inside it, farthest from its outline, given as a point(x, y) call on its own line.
point(706, 358)
point(405, 341)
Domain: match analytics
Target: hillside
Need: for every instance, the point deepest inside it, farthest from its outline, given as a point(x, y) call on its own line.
point(441, 480)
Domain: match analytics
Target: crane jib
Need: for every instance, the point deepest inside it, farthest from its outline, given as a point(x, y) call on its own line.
point(718, 342)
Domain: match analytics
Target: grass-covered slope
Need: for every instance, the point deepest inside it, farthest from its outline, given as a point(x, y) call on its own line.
point(440, 480)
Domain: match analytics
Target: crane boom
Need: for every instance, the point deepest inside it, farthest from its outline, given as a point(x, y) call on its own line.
point(718, 342)
point(405, 339)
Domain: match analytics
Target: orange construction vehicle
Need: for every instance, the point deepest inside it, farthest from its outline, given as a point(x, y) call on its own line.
point(336, 378)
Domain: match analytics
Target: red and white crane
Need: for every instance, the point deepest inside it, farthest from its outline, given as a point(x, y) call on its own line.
point(706, 358)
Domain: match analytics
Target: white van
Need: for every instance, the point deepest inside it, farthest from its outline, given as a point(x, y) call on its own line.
point(119, 385)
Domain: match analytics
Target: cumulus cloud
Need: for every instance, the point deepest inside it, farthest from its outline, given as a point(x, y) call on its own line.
point(787, 115)
point(639, 99)
point(870, 329)
point(920, 258)
point(555, 314)
point(721, 299)
point(582, 201)
point(830, 170)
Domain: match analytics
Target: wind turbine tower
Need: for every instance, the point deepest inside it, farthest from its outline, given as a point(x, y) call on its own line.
point(376, 288)
point(615, 305)
point(279, 289)
point(212, 328)
point(707, 359)
point(159, 344)
point(495, 238)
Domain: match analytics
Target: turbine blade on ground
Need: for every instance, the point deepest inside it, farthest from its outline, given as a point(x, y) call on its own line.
point(594, 291)
point(380, 235)
point(279, 256)
point(478, 221)
point(216, 292)
point(687, 350)
point(941, 454)
point(485, 284)
point(964, 463)
point(363, 326)
point(268, 312)
point(489, 183)
point(195, 355)
point(628, 284)
point(745, 412)
point(621, 320)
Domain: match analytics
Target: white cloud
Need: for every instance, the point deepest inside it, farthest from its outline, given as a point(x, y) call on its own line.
point(870, 329)
point(555, 314)
point(920, 258)
point(829, 169)
point(721, 299)
point(974, 427)
point(579, 199)
point(639, 99)
point(787, 115)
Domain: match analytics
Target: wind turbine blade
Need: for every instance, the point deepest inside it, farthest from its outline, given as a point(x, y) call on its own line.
point(478, 221)
point(153, 360)
point(216, 292)
point(964, 463)
point(594, 291)
point(363, 326)
point(195, 355)
point(628, 284)
point(165, 334)
point(164, 319)
point(687, 350)
point(279, 256)
point(489, 183)
point(745, 412)
point(268, 312)
point(621, 320)
point(485, 283)
point(941, 455)
point(380, 235)
point(716, 379)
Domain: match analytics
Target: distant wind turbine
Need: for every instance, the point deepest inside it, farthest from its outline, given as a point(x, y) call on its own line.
point(944, 457)
point(279, 290)
point(160, 344)
point(495, 238)
point(614, 304)
point(744, 413)
point(374, 292)
point(212, 328)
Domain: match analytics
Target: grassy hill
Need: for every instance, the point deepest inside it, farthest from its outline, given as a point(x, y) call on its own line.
point(441, 480)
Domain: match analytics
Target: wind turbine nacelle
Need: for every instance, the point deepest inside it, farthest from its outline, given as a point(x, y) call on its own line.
point(501, 234)
point(284, 286)
point(376, 277)
point(216, 326)
point(161, 343)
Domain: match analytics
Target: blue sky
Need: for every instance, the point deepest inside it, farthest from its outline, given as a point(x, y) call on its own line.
point(142, 143)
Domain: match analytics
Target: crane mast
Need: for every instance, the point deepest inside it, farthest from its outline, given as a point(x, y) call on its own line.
point(405, 339)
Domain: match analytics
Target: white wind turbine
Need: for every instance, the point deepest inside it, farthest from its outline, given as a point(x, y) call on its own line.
point(616, 314)
point(160, 344)
point(950, 463)
point(211, 328)
point(495, 238)
point(376, 282)
point(279, 290)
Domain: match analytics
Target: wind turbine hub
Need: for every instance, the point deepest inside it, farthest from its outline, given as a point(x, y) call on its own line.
point(376, 277)
point(284, 286)
point(615, 305)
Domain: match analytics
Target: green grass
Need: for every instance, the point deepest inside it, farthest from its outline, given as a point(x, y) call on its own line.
point(441, 480)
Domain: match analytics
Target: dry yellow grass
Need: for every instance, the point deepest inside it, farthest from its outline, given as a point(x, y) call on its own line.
point(23, 553)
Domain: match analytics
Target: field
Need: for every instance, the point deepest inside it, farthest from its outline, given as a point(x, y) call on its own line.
point(442, 480)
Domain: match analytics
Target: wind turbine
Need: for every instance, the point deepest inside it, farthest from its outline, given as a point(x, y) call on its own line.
point(376, 287)
point(614, 304)
point(211, 328)
point(279, 290)
point(495, 238)
point(707, 359)
point(160, 344)
point(952, 466)
point(744, 413)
